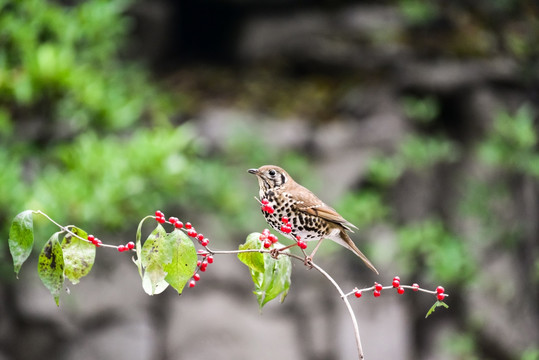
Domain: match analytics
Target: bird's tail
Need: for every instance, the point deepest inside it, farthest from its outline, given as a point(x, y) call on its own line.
point(347, 242)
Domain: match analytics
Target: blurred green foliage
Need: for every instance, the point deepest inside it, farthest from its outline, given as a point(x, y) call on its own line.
point(431, 245)
point(512, 143)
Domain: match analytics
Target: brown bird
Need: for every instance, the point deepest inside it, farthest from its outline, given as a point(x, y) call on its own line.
point(310, 218)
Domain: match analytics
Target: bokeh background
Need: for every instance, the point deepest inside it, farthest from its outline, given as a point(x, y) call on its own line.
point(416, 120)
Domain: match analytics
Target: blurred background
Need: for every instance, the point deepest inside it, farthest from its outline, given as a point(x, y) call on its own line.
point(417, 120)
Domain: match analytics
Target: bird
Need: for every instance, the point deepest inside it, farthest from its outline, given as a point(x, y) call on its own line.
point(309, 217)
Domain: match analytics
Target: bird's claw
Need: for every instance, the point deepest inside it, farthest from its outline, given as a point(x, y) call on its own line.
point(308, 262)
point(274, 253)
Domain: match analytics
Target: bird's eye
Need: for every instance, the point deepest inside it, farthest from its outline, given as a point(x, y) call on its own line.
point(271, 172)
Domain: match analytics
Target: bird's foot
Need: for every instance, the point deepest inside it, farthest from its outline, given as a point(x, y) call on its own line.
point(308, 262)
point(274, 253)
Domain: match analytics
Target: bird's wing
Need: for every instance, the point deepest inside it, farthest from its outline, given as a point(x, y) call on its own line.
point(309, 203)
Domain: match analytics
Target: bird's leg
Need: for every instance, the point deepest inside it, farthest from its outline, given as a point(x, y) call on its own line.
point(309, 259)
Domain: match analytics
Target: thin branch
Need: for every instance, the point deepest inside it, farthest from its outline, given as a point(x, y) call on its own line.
point(323, 272)
point(66, 229)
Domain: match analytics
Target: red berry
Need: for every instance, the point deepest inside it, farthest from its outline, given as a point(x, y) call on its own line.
point(378, 287)
point(400, 290)
point(266, 232)
point(188, 225)
point(265, 201)
point(286, 229)
point(210, 259)
point(98, 243)
point(376, 293)
point(201, 252)
point(91, 238)
point(397, 278)
point(204, 242)
point(267, 243)
point(203, 266)
point(200, 237)
point(440, 296)
point(159, 214)
point(302, 244)
point(196, 277)
point(192, 233)
point(192, 283)
point(273, 238)
point(284, 219)
point(440, 290)
point(178, 224)
point(130, 245)
point(172, 220)
point(298, 238)
point(415, 287)
point(396, 283)
point(358, 294)
point(122, 248)
point(262, 237)
point(160, 219)
point(199, 262)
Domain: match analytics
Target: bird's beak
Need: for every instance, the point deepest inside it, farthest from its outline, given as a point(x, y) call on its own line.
point(253, 171)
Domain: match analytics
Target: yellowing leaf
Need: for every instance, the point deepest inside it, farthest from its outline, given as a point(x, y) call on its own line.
point(79, 255)
point(154, 255)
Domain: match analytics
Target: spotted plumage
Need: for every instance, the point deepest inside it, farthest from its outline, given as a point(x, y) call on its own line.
point(310, 218)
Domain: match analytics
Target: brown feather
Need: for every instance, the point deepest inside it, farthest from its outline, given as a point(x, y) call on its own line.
point(350, 245)
point(309, 203)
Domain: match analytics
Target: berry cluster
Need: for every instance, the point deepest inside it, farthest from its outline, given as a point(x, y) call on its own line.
point(302, 244)
point(202, 265)
point(286, 227)
point(267, 238)
point(396, 284)
point(266, 207)
point(94, 240)
point(377, 289)
point(176, 222)
point(440, 293)
point(206, 255)
point(129, 246)
point(159, 217)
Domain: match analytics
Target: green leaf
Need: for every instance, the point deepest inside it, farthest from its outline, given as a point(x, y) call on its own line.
point(276, 279)
point(79, 255)
point(184, 260)
point(50, 267)
point(433, 307)
point(154, 255)
point(21, 238)
point(254, 260)
point(271, 277)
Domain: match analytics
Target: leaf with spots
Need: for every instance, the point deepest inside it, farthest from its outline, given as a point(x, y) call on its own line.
point(183, 262)
point(79, 255)
point(154, 255)
point(21, 239)
point(50, 267)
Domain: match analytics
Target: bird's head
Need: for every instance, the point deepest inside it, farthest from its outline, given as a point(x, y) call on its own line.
point(270, 176)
